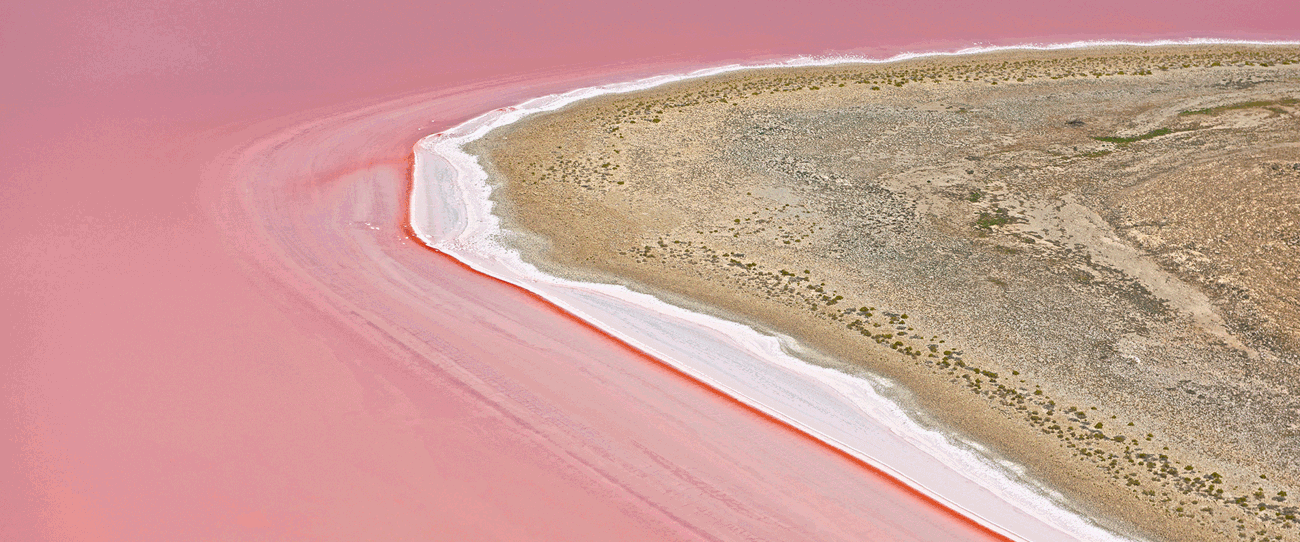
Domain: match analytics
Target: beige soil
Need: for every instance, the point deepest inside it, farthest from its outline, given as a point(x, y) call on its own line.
point(1086, 261)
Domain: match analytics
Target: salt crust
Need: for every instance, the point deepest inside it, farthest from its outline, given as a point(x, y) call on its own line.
point(451, 211)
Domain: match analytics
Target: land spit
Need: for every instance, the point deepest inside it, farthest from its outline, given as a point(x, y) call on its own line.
point(1085, 260)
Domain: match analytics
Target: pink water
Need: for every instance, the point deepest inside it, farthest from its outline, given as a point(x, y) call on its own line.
point(215, 328)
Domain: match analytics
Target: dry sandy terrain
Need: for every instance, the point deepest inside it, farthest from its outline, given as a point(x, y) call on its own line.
point(1084, 260)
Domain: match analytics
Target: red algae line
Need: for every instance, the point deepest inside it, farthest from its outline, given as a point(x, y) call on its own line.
point(557, 432)
point(696, 382)
point(450, 211)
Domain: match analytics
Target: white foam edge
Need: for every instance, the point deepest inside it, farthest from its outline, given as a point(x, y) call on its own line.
point(452, 183)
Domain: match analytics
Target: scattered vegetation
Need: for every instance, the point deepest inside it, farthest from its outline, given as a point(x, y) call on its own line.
point(1126, 140)
point(1242, 105)
point(1135, 462)
point(988, 220)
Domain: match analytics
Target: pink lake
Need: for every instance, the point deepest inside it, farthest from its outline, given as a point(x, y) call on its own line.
point(215, 327)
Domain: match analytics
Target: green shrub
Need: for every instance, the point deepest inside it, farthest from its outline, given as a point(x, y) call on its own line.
point(987, 220)
point(1126, 140)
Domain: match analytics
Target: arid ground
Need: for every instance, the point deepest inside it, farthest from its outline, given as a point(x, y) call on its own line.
point(1084, 260)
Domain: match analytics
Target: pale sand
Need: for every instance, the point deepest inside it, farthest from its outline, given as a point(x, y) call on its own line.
point(1033, 298)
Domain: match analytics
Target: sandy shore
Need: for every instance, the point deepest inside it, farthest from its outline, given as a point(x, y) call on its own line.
point(833, 205)
point(450, 211)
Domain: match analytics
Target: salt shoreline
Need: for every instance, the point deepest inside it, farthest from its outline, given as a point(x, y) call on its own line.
point(735, 359)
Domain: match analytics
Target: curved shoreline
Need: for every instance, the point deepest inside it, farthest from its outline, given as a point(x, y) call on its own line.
point(735, 359)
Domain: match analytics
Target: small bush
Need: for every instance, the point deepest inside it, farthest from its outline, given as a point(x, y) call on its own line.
point(987, 220)
point(1126, 140)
